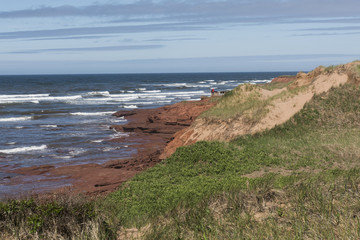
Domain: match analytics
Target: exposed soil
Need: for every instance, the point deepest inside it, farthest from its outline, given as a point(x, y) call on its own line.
point(282, 105)
point(150, 130)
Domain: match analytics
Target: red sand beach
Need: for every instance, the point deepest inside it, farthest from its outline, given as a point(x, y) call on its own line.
point(150, 130)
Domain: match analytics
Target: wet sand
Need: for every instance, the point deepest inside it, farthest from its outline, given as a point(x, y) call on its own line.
point(150, 130)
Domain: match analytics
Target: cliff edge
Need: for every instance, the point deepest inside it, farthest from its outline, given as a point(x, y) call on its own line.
point(250, 109)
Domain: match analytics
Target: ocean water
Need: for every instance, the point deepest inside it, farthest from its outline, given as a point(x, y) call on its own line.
point(64, 119)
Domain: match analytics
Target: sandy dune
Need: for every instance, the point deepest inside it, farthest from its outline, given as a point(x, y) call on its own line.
point(282, 105)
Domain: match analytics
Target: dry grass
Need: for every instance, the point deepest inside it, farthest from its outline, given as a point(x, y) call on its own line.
point(322, 207)
point(63, 217)
point(277, 85)
point(245, 100)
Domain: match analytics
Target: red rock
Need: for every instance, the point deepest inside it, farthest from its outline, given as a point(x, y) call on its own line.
point(151, 130)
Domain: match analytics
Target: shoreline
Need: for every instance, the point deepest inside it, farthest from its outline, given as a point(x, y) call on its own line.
point(150, 132)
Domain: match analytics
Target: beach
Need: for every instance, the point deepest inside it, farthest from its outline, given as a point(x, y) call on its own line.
point(151, 130)
point(61, 130)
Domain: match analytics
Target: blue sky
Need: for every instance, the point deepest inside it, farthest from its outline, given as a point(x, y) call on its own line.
point(128, 36)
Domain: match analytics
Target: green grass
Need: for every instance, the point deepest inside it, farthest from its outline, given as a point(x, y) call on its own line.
point(299, 180)
point(330, 69)
point(357, 70)
point(244, 100)
point(324, 206)
point(277, 85)
point(320, 141)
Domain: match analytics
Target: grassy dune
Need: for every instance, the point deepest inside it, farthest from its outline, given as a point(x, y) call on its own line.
point(300, 180)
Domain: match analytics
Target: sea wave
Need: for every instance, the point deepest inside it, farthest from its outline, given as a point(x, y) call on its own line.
point(48, 126)
point(261, 81)
point(91, 113)
point(130, 106)
point(23, 149)
point(23, 95)
point(128, 98)
point(7, 99)
point(172, 85)
point(77, 151)
point(15, 119)
point(98, 93)
point(152, 91)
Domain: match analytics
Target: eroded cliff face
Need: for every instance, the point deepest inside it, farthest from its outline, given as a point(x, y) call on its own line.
point(268, 109)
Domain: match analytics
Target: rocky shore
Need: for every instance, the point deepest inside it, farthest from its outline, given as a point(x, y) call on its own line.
point(150, 130)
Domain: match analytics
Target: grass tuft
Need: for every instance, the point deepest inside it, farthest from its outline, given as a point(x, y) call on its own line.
point(244, 100)
point(74, 218)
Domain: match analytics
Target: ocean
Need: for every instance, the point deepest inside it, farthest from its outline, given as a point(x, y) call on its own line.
point(64, 119)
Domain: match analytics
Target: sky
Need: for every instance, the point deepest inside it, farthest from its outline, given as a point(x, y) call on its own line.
point(150, 36)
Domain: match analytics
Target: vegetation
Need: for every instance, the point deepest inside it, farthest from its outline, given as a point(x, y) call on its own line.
point(299, 180)
point(276, 85)
point(55, 218)
point(244, 100)
point(330, 69)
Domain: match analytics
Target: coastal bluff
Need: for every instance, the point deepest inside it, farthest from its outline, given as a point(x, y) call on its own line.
point(155, 134)
point(256, 108)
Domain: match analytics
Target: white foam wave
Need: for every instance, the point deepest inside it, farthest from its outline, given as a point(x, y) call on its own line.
point(130, 106)
point(108, 149)
point(148, 94)
point(99, 93)
point(62, 157)
point(76, 152)
point(119, 134)
point(7, 99)
point(97, 141)
point(141, 103)
point(15, 119)
point(23, 149)
point(117, 120)
point(152, 91)
point(261, 81)
point(10, 101)
point(184, 97)
point(173, 85)
point(91, 113)
point(48, 126)
point(61, 98)
point(153, 97)
point(24, 96)
point(141, 89)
